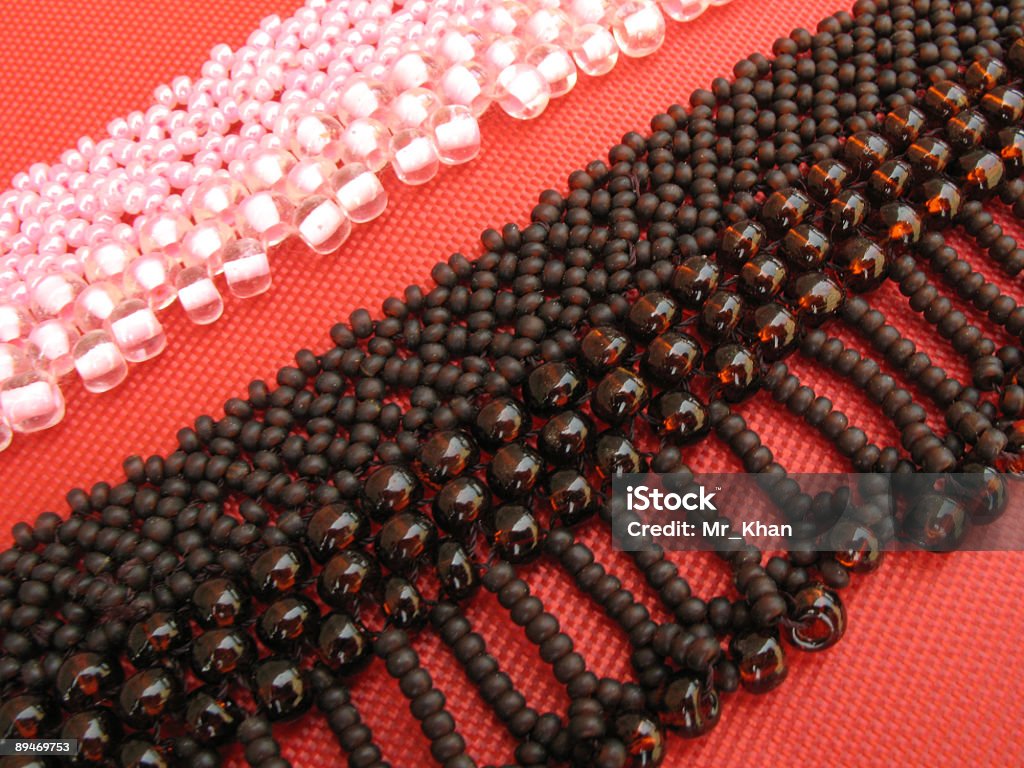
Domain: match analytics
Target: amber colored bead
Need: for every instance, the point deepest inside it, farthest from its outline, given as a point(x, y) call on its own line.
point(335, 527)
point(219, 603)
point(515, 533)
point(691, 706)
point(218, 653)
point(929, 154)
point(694, 280)
point(97, 732)
point(736, 371)
point(86, 678)
point(503, 420)
point(348, 575)
point(903, 125)
point(1011, 148)
point(513, 470)
point(565, 437)
point(618, 396)
point(282, 689)
point(900, 223)
point(277, 571)
point(1004, 104)
point(448, 454)
point(826, 179)
point(571, 496)
point(342, 642)
point(816, 296)
point(403, 603)
point(456, 570)
point(984, 75)
point(550, 387)
point(650, 315)
point(856, 547)
point(817, 618)
point(981, 490)
point(211, 717)
point(935, 523)
point(404, 540)
point(680, 416)
point(643, 737)
point(604, 348)
point(865, 151)
point(614, 455)
point(139, 753)
point(889, 181)
point(967, 130)
point(287, 621)
point(27, 717)
point(740, 242)
point(763, 276)
point(150, 693)
point(761, 660)
point(1015, 56)
point(982, 172)
point(460, 503)
point(390, 489)
point(805, 246)
point(940, 200)
point(672, 357)
point(155, 636)
point(846, 213)
point(783, 209)
point(945, 99)
point(774, 328)
point(721, 314)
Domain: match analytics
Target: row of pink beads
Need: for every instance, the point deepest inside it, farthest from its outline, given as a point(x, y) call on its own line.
point(284, 136)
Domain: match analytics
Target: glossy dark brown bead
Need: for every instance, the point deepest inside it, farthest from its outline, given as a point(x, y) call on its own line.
point(1003, 104)
point(900, 224)
point(784, 208)
point(816, 297)
point(212, 718)
point(817, 618)
point(846, 213)
point(515, 533)
point(929, 155)
point(456, 571)
point(856, 547)
point(335, 527)
point(448, 454)
point(903, 125)
point(552, 387)
point(967, 130)
point(461, 503)
point(84, 679)
point(774, 329)
point(865, 151)
point(149, 694)
point(614, 455)
point(672, 357)
point(513, 470)
point(863, 263)
point(982, 490)
point(945, 99)
point(940, 200)
point(761, 660)
point(404, 540)
point(402, 603)
point(565, 437)
point(503, 420)
point(1011, 148)
point(650, 315)
point(984, 75)
point(278, 571)
point(691, 706)
point(762, 277)
point(97, 732)
point(935, 523)
point(698, 277)
point(219, 602)
point(735, 369)
point(889, 181)
point(982, 171)
point(739, 243)
point(342, 642)
point(287, 621)
point(282, 689)
point(826, 179)
point(139, 753)
point(805, 247)
point(27, 717)
point(604, 348)
point(571, 496)
point(348, 576)
point(679, 416)
point(643, 737)
point(618, 396)
point(389, 490)
point(156, 636)
point(721, 314)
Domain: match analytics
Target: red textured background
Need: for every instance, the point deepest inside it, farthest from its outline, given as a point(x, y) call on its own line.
point(929, 671)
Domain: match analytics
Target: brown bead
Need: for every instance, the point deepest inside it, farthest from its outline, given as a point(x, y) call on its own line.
point(805, 246)
point(404, 540)
point(775, 330)
point(448, 454)
point(641, 733)
point(282, 689)
point(981, 490)
point(697, 277)
point(826, 179)
point(390, 489)
point(347, 576)
point(287, 621)
point(866, 151)
point(816, 296)
point(604, 348)
point(935, 523)
point(219, 603)
point(945, 99)
point(27, 717)
point(1003, 104)
point(691, 706)
point(503, 420)
point(553, 386)
point(982, 172)
point(139, 753)
point(900, 223)
point(460, 503)
point(1015, 56)
point(1011, 148)
point(736, 370)
point(277, 571)
point(515, 533)
point(618, 396)
point(846, 213)
point(680, 416)
point(147, 695)
point(761, 660)
point(342, 642)
point(651, 314)
point(97, 733)
point(671, 357)
point(571, 496)
point(721, 314)
point(513, 470)
point(856, 547)
point(903, 125)
point(889, 181)
point(456, 570)
point(335, 527)
point(566, 437)
point(212, 718)
point(763, 276)
point(818, 619)
point(84, 679)
point(967, 130)
point(156, 636)
point(984, 75)
point(784, 209)
point(402, 603)
point(614, 455)
point(740, 242)
point(940, 200)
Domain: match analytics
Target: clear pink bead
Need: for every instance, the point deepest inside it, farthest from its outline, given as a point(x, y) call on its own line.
point(456, 134)
point(13, 360)
point(595, 50)
point(683, 10)
point(365, 141)
point(163, 232)
point(310, 176)
point(322, 224)
point(587, 11)
point(266, 215)
point(216, 198)
point(268, 169)
point(503, 52)
point(53, 295)
point(523, 93)
point(557, 66)
point(246, 267)
point(548, 25)
point(317, 135)
point(412, 70)
point(467, 84)
point(360, 192)
point(99, 362)
point(198, 295)
point(639, 27)
point(203, 242)
point(137, 331)
point(149, 278)
point(6, 433)
point(32, 401)
point(94, 305)
point(414, 156)
point(411, 108)
point(55, 340)
point(15, 322)
point(108, 261)
point(362, 96)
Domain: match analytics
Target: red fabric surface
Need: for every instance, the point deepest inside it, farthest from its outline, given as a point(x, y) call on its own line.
point(929, 670)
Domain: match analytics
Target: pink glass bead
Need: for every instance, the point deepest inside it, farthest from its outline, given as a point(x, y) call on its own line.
point(32, 401)
point(523, 93)
point(55, 339)
point(362, 96)
point(365, 141)
point(595, 50)
point(557, 66)
point(149, 278)
point(360, 192)
point(135, 328)
point(99, 362)
point(456, 134)
point(639, 27)
point(216, 198)
point(6, 433)
point(309, 177)
point(587, 11)
point(108, 261)
point(411, 108)
point(267, 169)
point(317, 135)
point(94, 305)
point(548, 25)
point(15, 322)
point(163, 232)
point(246, 267)
point(413, 156)
point(265, 215)
point(467, 84)
point(504, 52)
point(412, 70)
point(683, 10)
point(203, 242)
point(198, 295)
point(53, 295)
point(322, 224)
point(13, 360)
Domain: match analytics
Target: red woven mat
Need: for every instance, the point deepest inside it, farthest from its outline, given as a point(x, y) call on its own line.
point(929, 671)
